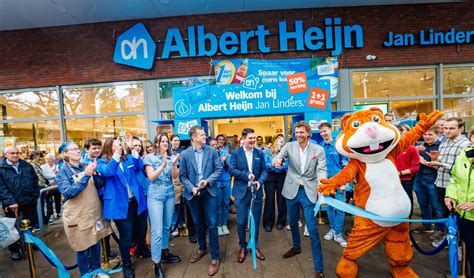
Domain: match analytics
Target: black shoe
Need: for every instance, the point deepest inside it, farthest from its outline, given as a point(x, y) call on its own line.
point(128, 271)
point(159, 271)
point(143, 253)
point(16, 256)
point(192, 239)
point(167, 257)
point(280, 226)
point(268, 229)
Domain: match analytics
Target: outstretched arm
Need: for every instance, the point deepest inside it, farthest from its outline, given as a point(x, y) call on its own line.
point(347, 174)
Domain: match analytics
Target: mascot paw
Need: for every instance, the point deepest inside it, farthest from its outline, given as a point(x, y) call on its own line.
point(403, 272)
point(327, 188)
point(431, 118)
point(347, 268)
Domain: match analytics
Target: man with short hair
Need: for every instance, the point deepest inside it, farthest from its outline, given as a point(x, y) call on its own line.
point(444, 160)
point(260, 145)
point(306, 166)
point(247, 166)
point(389, 118)
point(19, 191)
point(50, 169)
point(200, 167)
point(334, 162)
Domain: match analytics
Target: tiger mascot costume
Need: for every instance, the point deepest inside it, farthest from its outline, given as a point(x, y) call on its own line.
point(372, 146)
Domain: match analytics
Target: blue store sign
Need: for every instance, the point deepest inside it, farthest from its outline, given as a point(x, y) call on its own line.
point(135, 48)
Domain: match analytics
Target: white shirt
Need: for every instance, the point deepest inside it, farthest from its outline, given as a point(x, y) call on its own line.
point(303, 157)
point(249, 155)
point(48, 172)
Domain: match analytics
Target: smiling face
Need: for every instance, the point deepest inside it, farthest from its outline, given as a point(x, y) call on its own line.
point(366, 136)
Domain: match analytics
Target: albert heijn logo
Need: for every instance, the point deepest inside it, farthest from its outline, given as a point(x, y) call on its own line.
point(135, 48)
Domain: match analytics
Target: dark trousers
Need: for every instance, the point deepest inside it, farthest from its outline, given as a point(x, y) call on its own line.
point(56, 196)
point(139, 233)
point(49, 208)
point(441, 192)
point(466, 229)
point(408, 186)
point(243, 208)
point(273, 188)
point(203, 210)
point(189, 219)
point(125, 228)
point(25, 211)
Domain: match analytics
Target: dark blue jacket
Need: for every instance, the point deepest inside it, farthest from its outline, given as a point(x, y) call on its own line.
point(240, 170)
point(18, 188)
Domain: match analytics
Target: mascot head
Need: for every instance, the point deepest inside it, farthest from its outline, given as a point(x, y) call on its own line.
point(366, 136)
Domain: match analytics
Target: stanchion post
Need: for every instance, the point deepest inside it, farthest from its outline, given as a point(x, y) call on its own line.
point(25, 226)
point(321, 221)
point(105, 264)
point(463, 262)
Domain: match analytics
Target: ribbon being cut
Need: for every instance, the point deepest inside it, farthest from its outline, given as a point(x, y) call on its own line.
point(451, 223)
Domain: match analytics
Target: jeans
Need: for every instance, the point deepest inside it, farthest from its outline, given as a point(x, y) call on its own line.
point(310, 219)
point(243, 207)
point(160, 208)
point(203, 211)
point(408, 187)
point(273, 188)
point(92, 253)
point(336, 217)
point(425, 191)
point(223, 203)
point(125, 228)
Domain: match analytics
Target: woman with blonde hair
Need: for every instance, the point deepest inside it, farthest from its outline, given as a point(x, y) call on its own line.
point(273, 187)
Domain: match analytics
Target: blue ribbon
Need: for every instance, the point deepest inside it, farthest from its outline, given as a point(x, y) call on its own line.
point(451, 223)
point(54, 260)
point(251, 243)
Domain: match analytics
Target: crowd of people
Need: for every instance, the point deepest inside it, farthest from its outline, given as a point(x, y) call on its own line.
point(161, 185)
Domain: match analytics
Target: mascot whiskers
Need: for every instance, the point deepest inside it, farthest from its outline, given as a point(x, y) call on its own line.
point(372, 146)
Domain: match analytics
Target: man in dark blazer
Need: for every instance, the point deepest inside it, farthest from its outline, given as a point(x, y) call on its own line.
point(247, 165)
point(200, 167)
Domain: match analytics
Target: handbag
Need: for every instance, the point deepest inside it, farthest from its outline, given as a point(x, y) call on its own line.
point(8, 232)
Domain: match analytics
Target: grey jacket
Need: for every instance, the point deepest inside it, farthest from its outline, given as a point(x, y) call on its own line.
point(314, 171)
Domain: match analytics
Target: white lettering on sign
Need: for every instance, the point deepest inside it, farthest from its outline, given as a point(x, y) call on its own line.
point(133, 45)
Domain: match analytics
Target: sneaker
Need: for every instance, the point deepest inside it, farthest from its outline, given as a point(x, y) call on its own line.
point(436, 243)
point(339, 239)
point(305, 233)
point(100, 275)
point(175, 233)
point(220, 232)
point(329, 235)
point(436, 236)
point(225, 230)
point(423, 229)
point(299, 225)
point(16, 256)
point(133, 250)
point(112, 255)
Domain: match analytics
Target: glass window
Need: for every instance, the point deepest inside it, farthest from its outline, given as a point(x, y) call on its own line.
point(166, 87)
point(394, 83)
point(30, 104)
point(407, 109)
point(101, 127)
point(458, 80)
point(103, 99)
point(461, 108)
point(42, 136)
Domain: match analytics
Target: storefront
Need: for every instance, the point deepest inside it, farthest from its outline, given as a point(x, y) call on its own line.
point(62, 82)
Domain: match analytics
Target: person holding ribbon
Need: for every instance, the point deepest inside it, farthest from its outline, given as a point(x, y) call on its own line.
point(82, 215)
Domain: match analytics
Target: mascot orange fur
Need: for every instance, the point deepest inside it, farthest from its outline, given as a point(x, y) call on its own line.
point(372, 146)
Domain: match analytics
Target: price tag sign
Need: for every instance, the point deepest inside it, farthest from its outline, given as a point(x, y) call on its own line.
point(318, 98)
point(297, 83)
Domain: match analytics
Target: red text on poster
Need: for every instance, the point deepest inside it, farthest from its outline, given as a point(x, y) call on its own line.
point(297, 82)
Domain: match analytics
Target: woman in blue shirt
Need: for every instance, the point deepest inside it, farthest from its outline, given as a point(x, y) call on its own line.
point(161, 168)
point(124, 201)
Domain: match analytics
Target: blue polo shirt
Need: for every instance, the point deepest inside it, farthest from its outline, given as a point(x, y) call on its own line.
point(425, 170)
point(334, 161)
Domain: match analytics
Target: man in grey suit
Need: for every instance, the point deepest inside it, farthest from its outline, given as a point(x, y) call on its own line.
point(306, 166)
point(200, 167)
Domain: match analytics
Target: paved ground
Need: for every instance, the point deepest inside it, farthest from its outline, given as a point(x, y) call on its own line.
point(274, 244)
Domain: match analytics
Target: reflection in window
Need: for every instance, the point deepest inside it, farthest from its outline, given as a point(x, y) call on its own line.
point(394, 83)
point(461, 108)
point(104, 99)
point(459, 80)
point(42, 136)
point(80, 130)
point(166, 87)
point(407, 110)
point(30, 104)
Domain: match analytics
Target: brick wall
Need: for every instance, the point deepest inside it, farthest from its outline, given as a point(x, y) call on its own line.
point(83, 53)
